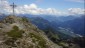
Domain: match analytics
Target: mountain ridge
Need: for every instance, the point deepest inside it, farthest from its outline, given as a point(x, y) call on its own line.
point(18, 32)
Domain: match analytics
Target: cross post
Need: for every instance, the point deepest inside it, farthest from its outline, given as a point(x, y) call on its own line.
point(13, 7)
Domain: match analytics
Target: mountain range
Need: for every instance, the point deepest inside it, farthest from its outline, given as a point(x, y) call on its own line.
point(73, 23)
point(61, 30)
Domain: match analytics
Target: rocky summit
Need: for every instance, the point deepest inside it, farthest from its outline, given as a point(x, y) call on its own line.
point(19, 32)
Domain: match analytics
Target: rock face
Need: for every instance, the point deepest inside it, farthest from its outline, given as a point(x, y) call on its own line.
point(18, 32)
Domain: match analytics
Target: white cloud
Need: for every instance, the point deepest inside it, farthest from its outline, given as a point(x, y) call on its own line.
point(34, 9)
point(75, 11)
point(27, 9)
point(33, 6)
point(4, 6)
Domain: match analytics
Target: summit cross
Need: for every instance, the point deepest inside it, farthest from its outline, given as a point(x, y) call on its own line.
point(13, 7)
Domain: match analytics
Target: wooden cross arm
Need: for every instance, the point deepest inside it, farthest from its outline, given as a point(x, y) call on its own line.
point(13, 5)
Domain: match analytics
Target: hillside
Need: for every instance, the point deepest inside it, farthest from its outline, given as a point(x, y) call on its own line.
point(40, 22)
point(74, 23)
point(18, 32)
point(77, 25)
point(61, 33)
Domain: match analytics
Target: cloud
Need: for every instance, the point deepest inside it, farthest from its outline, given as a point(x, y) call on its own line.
point(80, 1)
point(75, 11)
point(27, 9)
point(35, 10)
point(33, 6)
point(4, 6)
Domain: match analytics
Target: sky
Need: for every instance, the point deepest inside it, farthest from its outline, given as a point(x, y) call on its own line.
point(52, 7)
point(58, 4)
